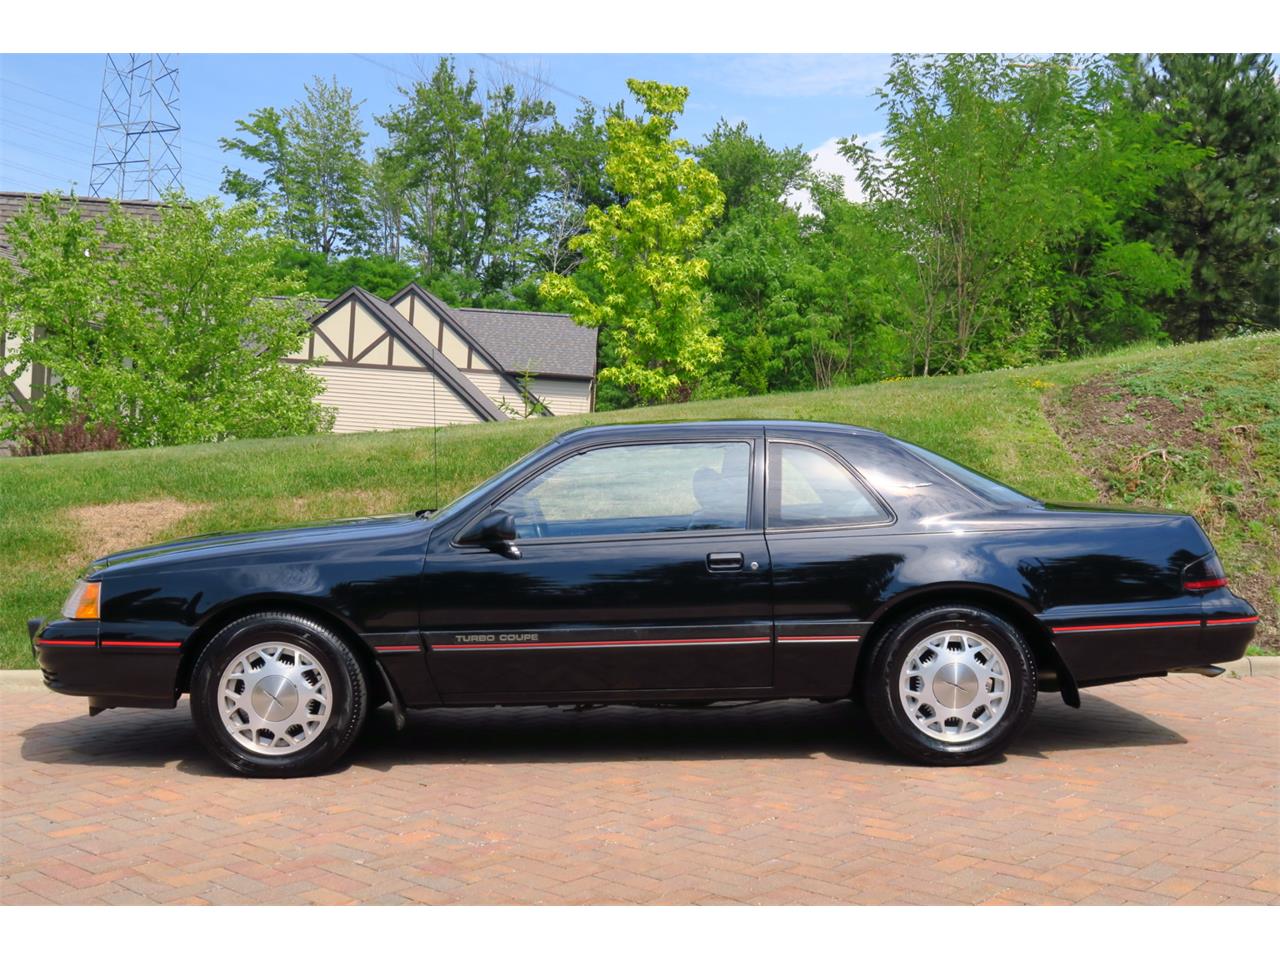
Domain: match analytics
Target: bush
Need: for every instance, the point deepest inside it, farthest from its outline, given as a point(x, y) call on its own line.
point(76, 436)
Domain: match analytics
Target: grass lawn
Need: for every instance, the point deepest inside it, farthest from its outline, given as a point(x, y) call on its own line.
point(1194, 427)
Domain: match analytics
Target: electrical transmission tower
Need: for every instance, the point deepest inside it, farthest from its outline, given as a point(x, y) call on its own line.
point(135, 150)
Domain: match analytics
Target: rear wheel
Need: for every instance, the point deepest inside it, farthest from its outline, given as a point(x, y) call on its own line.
point(950, 685)
point(277, 695)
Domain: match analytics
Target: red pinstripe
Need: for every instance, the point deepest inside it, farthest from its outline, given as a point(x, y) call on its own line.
point(67, 643)
point(163, 644)
point(1214, 623)
point(600, 643)
point(1128, 626)
point(784, 639)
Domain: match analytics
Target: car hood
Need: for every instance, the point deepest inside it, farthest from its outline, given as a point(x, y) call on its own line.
point(222, 544)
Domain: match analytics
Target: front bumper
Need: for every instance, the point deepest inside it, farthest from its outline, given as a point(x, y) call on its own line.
point(74, 661)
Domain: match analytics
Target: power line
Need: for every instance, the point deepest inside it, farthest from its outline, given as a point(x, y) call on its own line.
point(54, 156)
point(186, 140)
point(537, 79)
point(385, 66)
point(45, 93)
point(492, 59)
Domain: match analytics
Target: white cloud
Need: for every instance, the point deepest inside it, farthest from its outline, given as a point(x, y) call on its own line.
point(827, 159)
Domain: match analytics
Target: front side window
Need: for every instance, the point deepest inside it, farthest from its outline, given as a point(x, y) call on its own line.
point(637, 489)
point(809, 488)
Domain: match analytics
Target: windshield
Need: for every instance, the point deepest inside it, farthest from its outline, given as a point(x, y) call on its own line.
point(979, 483)
point(478, 493)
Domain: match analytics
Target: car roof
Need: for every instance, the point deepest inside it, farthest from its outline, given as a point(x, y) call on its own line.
point(693, 428)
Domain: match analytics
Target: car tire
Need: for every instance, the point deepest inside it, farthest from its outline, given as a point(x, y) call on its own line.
point(951, 685)
point(278, 695)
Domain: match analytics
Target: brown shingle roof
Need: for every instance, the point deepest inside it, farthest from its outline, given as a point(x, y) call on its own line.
point(11, 204)
point(546, 343)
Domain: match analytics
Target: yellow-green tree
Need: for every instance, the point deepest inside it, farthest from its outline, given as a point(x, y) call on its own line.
point(641, 280)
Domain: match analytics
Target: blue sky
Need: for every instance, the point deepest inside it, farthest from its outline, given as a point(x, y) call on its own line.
point(48, 103)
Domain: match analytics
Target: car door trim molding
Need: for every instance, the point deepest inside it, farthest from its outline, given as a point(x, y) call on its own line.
point(595, 644)
point(584, 638)
point(821, 631)
point(1143, 625)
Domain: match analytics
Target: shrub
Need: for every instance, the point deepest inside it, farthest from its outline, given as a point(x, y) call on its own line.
point(77, 435)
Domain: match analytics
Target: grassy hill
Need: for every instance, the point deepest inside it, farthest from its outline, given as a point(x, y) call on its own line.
point(1194, 428)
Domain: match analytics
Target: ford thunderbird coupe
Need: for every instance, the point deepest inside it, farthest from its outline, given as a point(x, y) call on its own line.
point(659, 564)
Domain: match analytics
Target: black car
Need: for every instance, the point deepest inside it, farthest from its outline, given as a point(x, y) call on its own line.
point(659, 564)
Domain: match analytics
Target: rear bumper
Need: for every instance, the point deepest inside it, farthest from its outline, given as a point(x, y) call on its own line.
point(1104, 644)
point(73, 661)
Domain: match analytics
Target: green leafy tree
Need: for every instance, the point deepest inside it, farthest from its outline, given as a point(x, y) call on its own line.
point(642, 281)
point(1221, 217)
point(1007, 184)
point(313, 172)
point(326, 277)
point(171, 332)
point(750, 172)
point(573, 180)
point(800, 301)
point(470, 174)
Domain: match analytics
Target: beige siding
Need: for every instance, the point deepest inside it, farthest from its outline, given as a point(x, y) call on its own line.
point(498, 390)
point(367, 398)
point(424, 318)
point(23, 383)
point(563, 397)
point(367, 330)
point(454, 348)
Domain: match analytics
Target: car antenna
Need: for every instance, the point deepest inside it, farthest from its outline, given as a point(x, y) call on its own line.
point(435, 456)
point(435, 445)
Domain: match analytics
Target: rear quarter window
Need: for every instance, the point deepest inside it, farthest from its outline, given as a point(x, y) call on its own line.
point(810, 488)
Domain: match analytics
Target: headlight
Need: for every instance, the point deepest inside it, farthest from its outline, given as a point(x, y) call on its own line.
point(83, 604)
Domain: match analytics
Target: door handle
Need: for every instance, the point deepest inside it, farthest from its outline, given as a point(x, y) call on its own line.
point(718, 562)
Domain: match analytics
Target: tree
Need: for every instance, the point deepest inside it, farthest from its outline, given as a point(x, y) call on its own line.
point(314, 175)
point(642, 281)
point(470, 174)
point(1222, 216)
point(1005, 180)
point(754, 252)
point(171, 332)
point(749, 171)
point(573, 180)
point(326, 277)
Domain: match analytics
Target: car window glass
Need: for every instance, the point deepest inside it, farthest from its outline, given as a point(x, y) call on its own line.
point(636, 489)
point(808, 488)
point(978, 482)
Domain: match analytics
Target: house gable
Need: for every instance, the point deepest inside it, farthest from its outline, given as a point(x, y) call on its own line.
point(358, 335)
point(438, 323)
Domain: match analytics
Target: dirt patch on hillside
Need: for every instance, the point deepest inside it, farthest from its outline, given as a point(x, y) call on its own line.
point(1111, 433)
point(109, 527)
point(1153, 450)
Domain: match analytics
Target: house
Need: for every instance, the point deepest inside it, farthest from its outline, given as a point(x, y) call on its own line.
point(414, 361)
point(411, 360)
point(33, 379)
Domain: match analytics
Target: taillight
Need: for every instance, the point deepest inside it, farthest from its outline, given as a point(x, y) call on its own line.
point(1204, 574)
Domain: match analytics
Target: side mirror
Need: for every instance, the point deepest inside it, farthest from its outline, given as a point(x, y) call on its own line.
point(495, 530)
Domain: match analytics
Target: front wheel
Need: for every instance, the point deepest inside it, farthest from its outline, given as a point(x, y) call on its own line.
point(950, 685)
point(277, 695)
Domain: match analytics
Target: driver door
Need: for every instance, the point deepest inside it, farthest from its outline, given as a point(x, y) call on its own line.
point(641, 566)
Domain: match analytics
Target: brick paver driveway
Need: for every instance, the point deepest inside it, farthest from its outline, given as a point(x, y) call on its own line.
point(1160, 791)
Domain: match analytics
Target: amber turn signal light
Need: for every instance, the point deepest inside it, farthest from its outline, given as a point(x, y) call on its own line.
point(83, 604)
